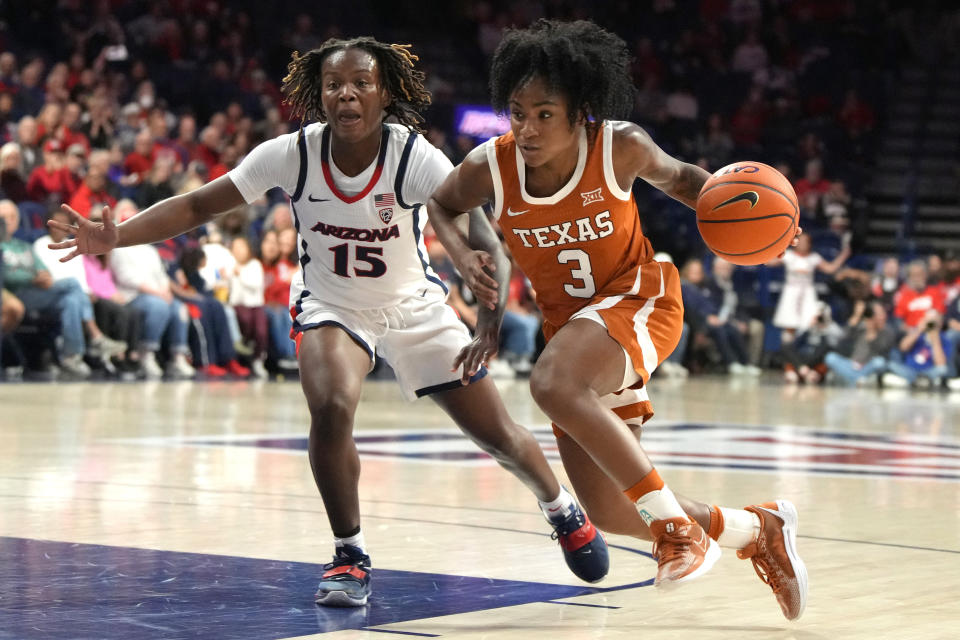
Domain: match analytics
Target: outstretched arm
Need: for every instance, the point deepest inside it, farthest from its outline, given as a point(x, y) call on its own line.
point(166, 219)
point(477, 254)
point(636, 155)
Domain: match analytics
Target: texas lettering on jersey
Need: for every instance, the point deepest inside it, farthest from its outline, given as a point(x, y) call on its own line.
point(569, 232)
point(351, 233)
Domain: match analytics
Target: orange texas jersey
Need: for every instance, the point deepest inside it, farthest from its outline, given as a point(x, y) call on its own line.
point(583, 242)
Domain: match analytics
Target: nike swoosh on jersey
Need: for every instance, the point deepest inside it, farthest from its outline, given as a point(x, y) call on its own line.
point(750, 196)
point(312, 199)
point(516, 213)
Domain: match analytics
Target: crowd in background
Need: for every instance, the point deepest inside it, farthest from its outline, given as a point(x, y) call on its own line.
point(122, 103)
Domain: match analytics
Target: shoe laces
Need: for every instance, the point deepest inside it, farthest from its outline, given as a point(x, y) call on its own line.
point(345, 558)
point(763, 565)
point(669, 547)
point(568, 525)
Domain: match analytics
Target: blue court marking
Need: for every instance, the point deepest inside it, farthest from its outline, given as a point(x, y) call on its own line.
point(59, 590)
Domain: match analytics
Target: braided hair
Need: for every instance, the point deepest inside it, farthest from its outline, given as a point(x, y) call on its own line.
point(579, 60)
point(303, 87)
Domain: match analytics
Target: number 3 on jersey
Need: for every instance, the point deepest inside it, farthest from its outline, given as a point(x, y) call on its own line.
point(341, 256)
point(583, 273)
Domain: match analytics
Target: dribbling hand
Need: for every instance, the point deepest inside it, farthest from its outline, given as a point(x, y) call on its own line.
point(794, 242)
point(92, 238)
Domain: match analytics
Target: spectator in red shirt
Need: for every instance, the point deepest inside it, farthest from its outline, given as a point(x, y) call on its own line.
point(52, 179)
point(185, 145)
point(855, 115)
point(69, 129)
point(140, 160)
point(208, 151)
point(228, 160)
point(48, 120)
point(917, 296)
point(92, 192)
point(812, 186)
point(278, 272)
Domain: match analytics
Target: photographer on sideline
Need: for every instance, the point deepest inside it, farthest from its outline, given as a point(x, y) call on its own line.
point(923, 349)
point(804, 356)
point(863, 352)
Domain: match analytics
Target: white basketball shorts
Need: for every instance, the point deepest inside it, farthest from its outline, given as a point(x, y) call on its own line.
point(419, 338)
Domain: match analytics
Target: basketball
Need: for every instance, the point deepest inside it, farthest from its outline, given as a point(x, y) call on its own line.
point(747, 213)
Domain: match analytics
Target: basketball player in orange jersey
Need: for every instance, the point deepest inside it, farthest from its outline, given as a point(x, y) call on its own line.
point(560, 186)
point(357, 188)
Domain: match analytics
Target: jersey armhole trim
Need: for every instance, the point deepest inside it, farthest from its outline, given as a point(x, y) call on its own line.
point(302, 176)
point(402, 170)
point(609, 175)
point(495, 176)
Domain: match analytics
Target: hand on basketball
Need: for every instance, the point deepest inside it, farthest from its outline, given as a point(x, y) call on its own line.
point(794, 242)
point(88, 237)
point(473, 268)
point(484, 345)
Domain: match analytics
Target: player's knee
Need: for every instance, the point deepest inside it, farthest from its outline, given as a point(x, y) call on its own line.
point(509, 444)
point(332, 414)
point(547, 387)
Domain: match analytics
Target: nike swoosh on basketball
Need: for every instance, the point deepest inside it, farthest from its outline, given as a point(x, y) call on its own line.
point(516, 213)
point(312, 199)
point(750, 196)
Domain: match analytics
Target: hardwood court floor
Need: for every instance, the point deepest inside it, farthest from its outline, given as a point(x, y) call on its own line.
point(180, 510)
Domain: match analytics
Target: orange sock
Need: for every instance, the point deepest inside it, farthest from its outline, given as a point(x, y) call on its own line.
point(716, 522)
point(650, 482)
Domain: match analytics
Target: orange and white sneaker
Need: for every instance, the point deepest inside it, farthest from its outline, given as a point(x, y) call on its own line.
point(775, 558)
point(683, 551)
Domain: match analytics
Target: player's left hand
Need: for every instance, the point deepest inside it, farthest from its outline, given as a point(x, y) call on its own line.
point(484, 345)
point(473, 268)
point(794, 242)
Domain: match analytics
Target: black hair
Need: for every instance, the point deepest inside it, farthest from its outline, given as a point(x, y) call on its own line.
point(587, 64)
point(303, 88)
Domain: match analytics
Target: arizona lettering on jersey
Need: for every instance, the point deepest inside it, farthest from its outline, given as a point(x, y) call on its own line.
point(363, 235)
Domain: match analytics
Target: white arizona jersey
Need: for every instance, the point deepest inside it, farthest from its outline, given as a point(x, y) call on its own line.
point(361, 237)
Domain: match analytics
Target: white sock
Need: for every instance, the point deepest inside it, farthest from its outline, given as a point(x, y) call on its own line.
point(659, 505)
point(740, 528)
point(558, 508)
point(354, 541)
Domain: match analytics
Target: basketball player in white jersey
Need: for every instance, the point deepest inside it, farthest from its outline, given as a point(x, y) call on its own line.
point(358, 188)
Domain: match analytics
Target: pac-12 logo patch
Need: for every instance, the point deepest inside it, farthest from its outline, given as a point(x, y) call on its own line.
point(386, 215)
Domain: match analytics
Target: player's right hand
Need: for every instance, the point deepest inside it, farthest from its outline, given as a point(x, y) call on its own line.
point(88, 237)
point(474, 269)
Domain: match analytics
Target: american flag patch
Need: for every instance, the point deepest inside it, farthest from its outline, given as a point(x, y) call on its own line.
point(384, 200)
